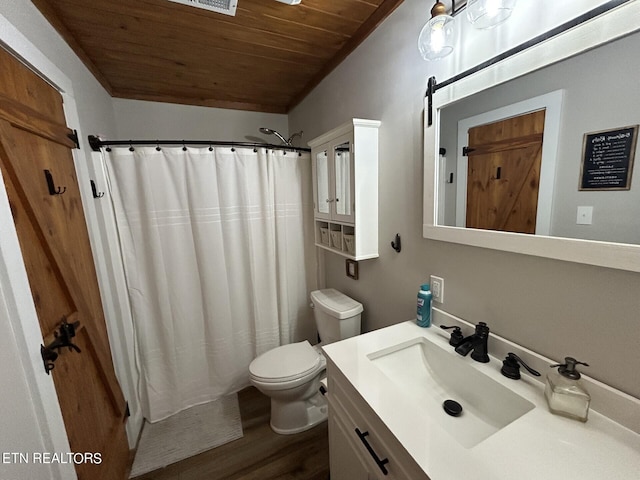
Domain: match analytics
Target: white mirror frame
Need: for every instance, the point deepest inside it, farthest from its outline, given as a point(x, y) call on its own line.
point(609, 26)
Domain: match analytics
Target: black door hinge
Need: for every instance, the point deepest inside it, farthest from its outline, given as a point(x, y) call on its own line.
point(74, 138)
point(431, 89)
point(94, 143)
point(466, 151)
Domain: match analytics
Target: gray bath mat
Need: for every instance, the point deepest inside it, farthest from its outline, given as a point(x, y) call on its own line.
point(187, 433)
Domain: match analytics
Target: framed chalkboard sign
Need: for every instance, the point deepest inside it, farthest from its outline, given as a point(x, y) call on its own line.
point(607, 159)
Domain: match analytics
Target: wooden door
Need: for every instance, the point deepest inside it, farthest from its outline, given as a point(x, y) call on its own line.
point(504, 174)
point(55, 245)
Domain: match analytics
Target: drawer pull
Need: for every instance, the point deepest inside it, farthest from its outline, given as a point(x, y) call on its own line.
point(381, 463)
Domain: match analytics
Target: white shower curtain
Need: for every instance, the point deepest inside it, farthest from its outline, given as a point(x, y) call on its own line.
point(218, 253)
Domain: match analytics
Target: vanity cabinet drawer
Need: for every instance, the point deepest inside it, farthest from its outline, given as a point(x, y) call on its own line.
point(369, 439)
point(348, 460)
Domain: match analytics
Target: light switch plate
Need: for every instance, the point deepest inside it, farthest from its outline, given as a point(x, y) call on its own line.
point(437, 289)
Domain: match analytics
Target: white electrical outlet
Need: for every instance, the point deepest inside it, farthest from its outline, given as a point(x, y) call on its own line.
point(585, 216)
point(437, 289)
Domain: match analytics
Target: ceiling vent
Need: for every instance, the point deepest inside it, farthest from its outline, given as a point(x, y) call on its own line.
point(228, 7)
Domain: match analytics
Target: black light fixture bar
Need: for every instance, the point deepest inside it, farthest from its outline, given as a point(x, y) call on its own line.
point(457, 6)
point(530, 43)
point(433, 86)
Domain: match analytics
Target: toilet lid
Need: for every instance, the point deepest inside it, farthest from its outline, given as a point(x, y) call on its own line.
point(287, 362)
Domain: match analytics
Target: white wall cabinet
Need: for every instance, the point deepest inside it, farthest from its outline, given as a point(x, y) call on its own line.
point(360, 446)
point(345, 189)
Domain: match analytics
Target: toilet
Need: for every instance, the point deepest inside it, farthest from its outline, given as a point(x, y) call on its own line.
point(291, 374)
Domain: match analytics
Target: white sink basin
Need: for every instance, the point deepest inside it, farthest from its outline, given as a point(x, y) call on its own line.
point(403, 373)
point(430, 375)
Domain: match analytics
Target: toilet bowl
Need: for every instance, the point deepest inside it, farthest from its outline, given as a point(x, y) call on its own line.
point(290, 374)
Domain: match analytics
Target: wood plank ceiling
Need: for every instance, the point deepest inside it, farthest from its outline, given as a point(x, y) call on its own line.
point(266, 58)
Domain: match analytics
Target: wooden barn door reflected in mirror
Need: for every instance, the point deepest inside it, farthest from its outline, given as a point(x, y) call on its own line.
point(504, 173)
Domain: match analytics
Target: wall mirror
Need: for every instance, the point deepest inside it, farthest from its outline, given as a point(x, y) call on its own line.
point(580, 82)
point(322, 183)
point(342, 157)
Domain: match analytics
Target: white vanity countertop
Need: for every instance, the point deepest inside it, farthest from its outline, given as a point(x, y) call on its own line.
point(538, 445)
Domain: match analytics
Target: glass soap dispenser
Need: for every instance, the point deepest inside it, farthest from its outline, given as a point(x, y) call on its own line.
point(564, 391)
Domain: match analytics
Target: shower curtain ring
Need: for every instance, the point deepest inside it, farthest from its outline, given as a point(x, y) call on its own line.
point(210, 148)
point(184, 147)
point(158, 146)
point(131, 149)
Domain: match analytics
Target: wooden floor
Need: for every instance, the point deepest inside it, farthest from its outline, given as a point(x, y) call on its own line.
point(260, 454)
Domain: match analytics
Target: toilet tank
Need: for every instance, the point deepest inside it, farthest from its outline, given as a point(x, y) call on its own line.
point(337, 316)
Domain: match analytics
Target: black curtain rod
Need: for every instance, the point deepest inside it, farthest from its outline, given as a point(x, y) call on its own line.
point(96, 144)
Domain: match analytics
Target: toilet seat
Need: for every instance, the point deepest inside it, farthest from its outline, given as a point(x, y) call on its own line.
point(287, 363)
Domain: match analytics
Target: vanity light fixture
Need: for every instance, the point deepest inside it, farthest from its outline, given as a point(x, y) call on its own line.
point(485, 14)
point(436, 38)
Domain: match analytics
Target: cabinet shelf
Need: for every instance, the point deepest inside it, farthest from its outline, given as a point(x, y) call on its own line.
point(339, 238)
point(345, 189)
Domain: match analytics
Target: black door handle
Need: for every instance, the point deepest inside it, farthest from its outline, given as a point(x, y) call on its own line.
point(63, 338)
point(380, 462)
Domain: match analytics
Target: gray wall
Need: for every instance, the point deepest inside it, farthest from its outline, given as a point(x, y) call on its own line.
point(595, 99)
point(552, 307)
point(154, 120)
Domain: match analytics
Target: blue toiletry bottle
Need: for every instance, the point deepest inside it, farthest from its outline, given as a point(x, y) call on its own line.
point(423, 317)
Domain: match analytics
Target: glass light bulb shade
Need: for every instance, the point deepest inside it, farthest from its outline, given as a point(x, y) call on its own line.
point(436, 38)
point(485, 14)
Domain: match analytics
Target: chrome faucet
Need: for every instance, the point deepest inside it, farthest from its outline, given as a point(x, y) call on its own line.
point(478, 342)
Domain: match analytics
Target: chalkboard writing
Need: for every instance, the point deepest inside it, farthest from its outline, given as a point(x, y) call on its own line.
point(607, 159)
